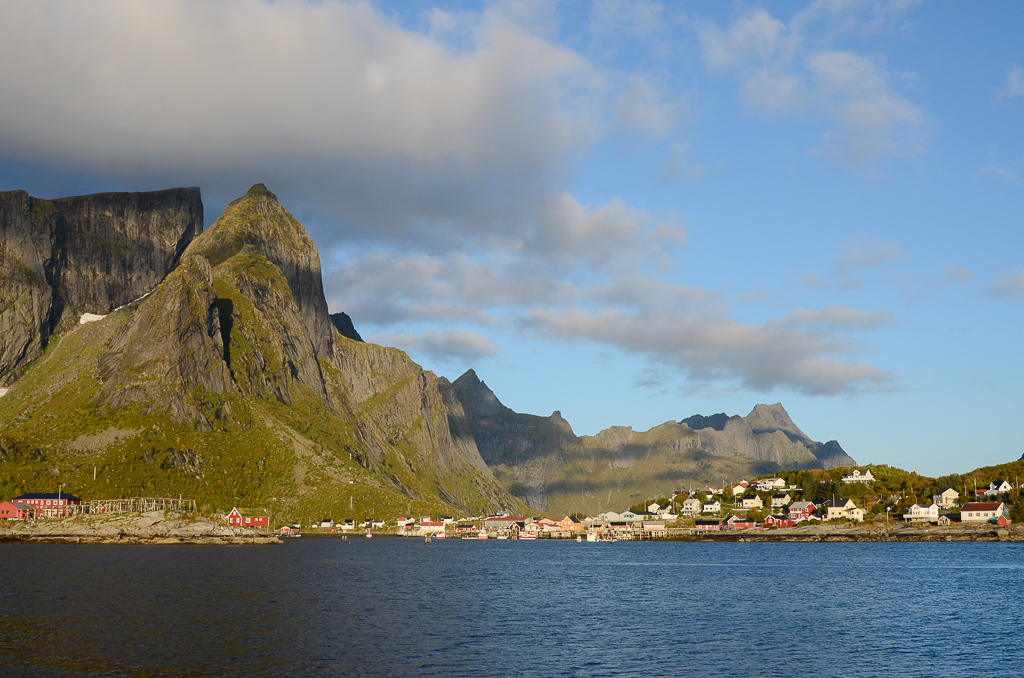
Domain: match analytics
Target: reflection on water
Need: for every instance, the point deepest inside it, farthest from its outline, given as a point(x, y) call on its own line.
point(396, 607)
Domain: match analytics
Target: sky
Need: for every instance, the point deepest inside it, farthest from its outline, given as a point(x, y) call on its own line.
point(630, 212)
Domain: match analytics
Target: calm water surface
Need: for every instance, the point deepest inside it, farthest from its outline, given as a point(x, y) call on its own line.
point(396, 607)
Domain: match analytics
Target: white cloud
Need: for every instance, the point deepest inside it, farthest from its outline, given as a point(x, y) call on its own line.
point(1014, 83)
point(780, 74)
point(432, 165)
point(459, 345)
point(714, 349)
point(379, 132)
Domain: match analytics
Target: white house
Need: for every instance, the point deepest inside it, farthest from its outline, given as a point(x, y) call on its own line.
point(859, 476)
point(780, 500)
point(921, 514)
point(998, 487)
point(691, 505)
point(712, 507)
point(982, 511)
point(653, 508)
point(769, 484)
point(738, 490)
point(946, 498)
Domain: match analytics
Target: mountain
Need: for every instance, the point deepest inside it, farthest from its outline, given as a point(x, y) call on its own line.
point(60, 259)
point(214, 371)
point(541, 461)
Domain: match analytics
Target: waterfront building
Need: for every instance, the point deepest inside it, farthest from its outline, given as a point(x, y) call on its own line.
point(15, 510)
point(982, 511)
point(859, 476)
point(801, 510)
point(844, 508)
point(249, 517)
point(922, 514)
point(49, 504)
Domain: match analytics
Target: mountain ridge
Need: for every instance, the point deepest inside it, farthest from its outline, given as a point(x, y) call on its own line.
point(541, 461)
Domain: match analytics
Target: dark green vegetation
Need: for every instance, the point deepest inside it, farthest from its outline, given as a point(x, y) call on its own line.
point(229, 383)
point(899, 489)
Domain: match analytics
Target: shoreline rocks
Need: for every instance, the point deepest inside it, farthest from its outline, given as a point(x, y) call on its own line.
point(154, 527)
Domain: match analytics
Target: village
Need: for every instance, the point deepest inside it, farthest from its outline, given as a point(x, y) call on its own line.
point(759, 505)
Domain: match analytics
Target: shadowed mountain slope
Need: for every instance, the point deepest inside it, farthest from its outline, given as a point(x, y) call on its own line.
point(541, 460)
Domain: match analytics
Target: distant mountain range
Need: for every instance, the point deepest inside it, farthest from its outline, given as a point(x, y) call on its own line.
point(541, 461)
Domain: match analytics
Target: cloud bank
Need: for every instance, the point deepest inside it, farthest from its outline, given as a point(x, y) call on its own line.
point(433, 163)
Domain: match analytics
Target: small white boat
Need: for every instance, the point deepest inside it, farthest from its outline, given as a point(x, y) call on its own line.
point(502, 536)
point(527, 535)
point(440, 535)
point(482, 535)
point(593, 536)
point(579, 539)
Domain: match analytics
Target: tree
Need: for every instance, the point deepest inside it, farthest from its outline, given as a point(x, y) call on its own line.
point(1017, 512)
point(701, 497)
point(727, 494)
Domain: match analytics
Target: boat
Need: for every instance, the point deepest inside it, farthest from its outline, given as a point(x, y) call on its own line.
point(527, 535)
point(440, 535)
point(593, 536)
point(579, 539)
point(502, 536)
point(482, 534)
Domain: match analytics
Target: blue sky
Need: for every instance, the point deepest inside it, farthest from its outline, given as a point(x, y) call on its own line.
point(629, 212)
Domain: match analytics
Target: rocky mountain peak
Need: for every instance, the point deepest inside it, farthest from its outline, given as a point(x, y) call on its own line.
point(477, 399)
point(768, 418)
point(258, 219)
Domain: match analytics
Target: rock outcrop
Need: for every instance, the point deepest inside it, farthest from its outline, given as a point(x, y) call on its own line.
point(343, 323)
point(88, 254)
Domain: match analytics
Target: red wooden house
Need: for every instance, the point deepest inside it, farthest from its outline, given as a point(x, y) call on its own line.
point(15, 510)
point(248, 517)
point(49, 504)
point(801, 510)
point(708, 526)
point(779, 521)
point(737, 523)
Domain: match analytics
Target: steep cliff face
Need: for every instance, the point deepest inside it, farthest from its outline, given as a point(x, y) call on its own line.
point(542, 461)
point(119, 246)
point(169, 355)
point(87, 254)
point(27, 279)
point(267, 342)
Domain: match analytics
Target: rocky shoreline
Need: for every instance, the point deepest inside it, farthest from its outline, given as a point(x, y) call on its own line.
point(860, 532)
point(155, 527)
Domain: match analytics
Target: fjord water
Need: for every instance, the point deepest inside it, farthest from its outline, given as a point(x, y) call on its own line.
point(398, 607)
